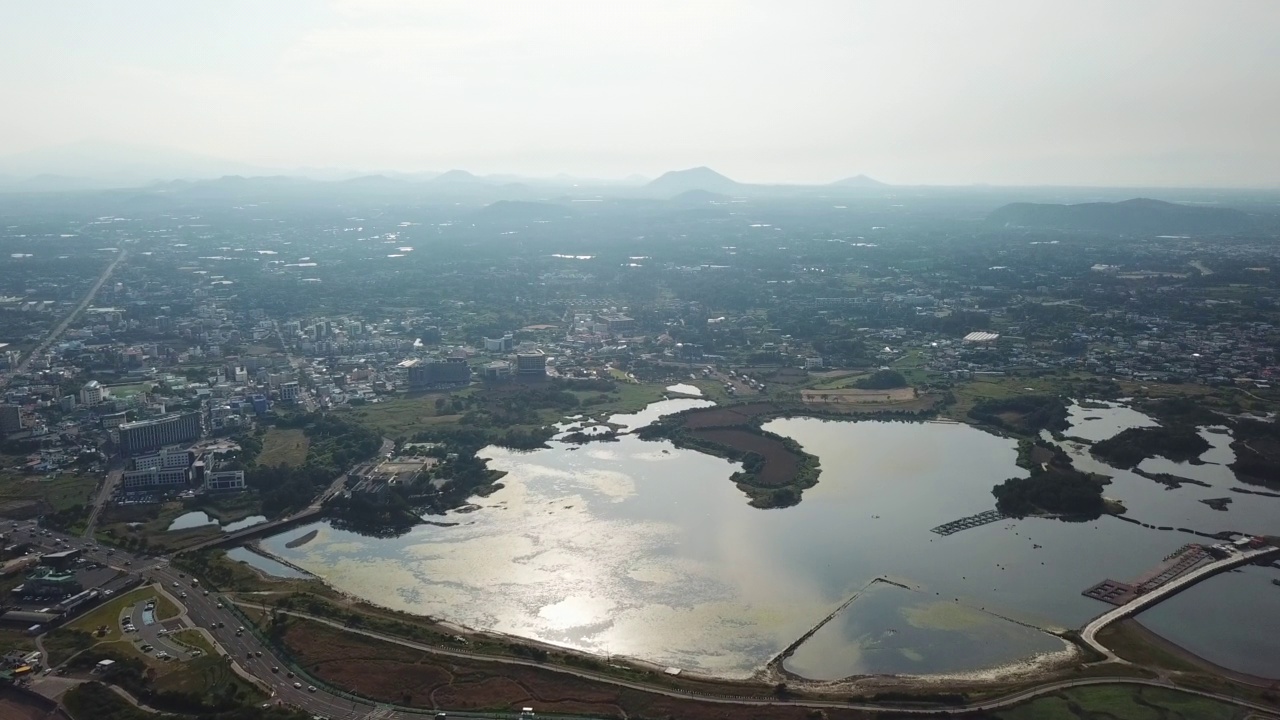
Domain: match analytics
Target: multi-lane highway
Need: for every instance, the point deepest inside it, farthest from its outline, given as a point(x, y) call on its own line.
point(56, 332)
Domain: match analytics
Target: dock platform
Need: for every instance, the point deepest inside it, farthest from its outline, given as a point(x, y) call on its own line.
point(973, 521)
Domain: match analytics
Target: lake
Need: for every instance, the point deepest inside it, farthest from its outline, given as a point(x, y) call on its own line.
point(646, 550)
point(199, 518)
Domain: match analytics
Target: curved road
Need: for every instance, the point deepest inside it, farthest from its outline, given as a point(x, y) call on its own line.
point(987, 705)
point(1090, 632)
point(242, 649)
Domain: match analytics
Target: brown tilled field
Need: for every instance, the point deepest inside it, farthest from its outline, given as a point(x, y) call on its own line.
point(780, 464)
point(393, 673)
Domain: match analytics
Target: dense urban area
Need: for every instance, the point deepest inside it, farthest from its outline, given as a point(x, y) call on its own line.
point(194, 367)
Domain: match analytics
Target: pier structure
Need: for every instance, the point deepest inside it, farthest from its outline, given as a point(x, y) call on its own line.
point(972, 521)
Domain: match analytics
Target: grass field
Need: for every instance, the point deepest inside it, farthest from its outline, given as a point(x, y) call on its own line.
point(60, 492)
point(407, 416)
point(628, 398)
point(394, 673)
point(155, 520)
point(401, 416)
point(284, 446)
point(130, 390)
point(62, 643)
point(204, 675)
point(16, 638)
point(1127, 641)
point(1123, 702)
point(195, 639)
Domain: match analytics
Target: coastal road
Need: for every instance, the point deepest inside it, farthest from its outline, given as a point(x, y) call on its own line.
point(987, 705)
point(242, 650)
point(1090, 632)
point(66, 322)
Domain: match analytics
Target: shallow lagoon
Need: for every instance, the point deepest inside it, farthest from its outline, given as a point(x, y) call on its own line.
point(646, 550)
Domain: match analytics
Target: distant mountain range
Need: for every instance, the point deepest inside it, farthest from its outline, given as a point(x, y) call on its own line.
point(1139, 216)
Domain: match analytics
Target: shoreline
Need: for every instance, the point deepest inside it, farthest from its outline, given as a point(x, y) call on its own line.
point(1152, 637)
point(1028, 668)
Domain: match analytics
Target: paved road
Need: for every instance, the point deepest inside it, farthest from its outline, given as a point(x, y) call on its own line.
point(62, 326)
point(202, 611)
point(994, 704)
point(149, 634)
point(1090, 632)
point(108, 487)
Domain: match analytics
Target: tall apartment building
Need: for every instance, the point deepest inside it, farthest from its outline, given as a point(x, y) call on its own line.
point(10, 419)
point(290, 391)
point(145, 435)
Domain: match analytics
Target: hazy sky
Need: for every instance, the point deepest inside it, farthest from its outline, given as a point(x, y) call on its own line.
point(1111, 92)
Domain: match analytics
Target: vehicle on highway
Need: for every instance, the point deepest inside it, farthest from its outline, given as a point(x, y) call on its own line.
point(297, 685)
point(289, 674)
point(311, 688)
point(258, 654)
point(275, 668)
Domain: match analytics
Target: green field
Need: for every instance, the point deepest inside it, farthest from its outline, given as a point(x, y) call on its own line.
point(284, 446)
point(401, 416)
point(204, 676)
point(114, 527)
point(1123, 702)
point(130, 390)
point(407, 416)
point(62, 643)
point(60, 492)
point(195, 639)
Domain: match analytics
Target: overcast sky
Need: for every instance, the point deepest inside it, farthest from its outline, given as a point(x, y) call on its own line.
point(1073, 92)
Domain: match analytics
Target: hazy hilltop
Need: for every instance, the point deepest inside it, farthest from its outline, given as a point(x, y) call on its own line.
point(675, 182)
point(860, 181)
point(1131, 217)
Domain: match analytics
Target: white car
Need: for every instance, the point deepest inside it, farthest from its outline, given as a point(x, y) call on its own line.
point(297, 686)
